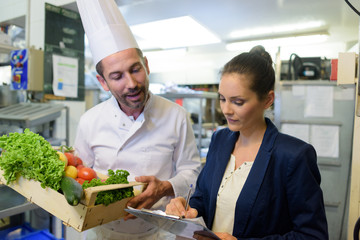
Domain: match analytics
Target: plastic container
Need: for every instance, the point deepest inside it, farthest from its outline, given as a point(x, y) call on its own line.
point(25, 232)
point(16, 232)
point(39, 235)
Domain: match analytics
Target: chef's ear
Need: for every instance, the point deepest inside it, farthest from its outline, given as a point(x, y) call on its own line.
point(146, 65)
point(103, 82)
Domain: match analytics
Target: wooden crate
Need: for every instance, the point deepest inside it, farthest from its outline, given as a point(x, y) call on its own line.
point(81, 217)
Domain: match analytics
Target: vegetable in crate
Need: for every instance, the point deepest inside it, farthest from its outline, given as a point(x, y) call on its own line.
point(110, 196)
point(72, 190)
point(31, 156)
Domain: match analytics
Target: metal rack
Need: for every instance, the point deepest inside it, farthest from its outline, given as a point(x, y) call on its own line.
point(201, 96)
point(26, 115)
point(12, 203)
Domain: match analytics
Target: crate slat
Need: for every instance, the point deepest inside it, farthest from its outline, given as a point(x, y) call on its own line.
point(80, 217)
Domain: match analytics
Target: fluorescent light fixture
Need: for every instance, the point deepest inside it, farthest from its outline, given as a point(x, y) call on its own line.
point(172, 33)
point(278, 42)
point(276, 29)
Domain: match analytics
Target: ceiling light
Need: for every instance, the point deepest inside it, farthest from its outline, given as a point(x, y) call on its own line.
point(176, 52)
point(278, 42)
point(172, 33)
point(276, 29)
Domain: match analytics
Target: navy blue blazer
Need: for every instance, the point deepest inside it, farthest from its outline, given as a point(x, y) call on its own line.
point(281, 198)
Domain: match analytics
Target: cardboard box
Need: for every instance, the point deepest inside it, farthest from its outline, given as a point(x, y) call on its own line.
point(347, 68)
point(84, 216)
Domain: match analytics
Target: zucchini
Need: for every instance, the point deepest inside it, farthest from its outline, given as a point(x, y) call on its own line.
point(72, 190)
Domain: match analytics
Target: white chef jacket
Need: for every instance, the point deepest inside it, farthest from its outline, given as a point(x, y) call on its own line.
point(160, 142)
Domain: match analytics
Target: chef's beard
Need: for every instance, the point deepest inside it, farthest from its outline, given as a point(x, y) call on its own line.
point(134, 105)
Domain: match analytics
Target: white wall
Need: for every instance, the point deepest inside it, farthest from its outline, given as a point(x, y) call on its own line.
point(76, 109)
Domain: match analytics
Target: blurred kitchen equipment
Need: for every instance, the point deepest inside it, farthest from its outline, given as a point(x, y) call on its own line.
point(8, 96)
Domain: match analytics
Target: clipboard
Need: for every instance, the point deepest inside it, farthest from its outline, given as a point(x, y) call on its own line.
point(184, 227)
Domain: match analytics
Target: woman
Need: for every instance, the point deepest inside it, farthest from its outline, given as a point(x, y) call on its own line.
point(257, 182)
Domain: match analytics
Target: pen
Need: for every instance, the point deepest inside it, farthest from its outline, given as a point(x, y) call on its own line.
point(188, 198)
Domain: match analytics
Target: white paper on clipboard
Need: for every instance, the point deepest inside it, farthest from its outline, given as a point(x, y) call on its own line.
point(181, 227)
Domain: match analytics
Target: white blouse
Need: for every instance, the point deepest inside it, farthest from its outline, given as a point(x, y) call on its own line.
point(229, 191)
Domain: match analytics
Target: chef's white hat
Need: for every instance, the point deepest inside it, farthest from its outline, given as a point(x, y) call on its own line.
point(105, 28)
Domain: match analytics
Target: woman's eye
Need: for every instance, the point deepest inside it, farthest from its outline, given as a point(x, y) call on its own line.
point(238, 103)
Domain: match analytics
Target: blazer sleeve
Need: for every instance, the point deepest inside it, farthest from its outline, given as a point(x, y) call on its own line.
point(200, 199)
point(305, 196)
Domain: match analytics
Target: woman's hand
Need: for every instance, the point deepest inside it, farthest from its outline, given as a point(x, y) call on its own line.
point(177, 207)
point(222, 236)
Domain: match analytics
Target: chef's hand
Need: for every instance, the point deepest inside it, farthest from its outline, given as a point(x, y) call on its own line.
point(222, 236)
point(154, 190)
point(177, 207)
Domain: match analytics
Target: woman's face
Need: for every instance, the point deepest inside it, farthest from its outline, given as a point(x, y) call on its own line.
point(240, 105)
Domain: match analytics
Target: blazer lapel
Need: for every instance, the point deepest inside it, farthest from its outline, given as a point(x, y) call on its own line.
point(224, 149)
point(253, 183)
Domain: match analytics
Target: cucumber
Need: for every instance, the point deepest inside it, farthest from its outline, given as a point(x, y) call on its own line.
point(72, 190)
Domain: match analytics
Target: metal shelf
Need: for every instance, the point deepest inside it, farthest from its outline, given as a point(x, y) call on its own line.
point(308, 82)
point(201, 96)
point(27, 115)
point(12, 203)
point(209, 95)
point(6, 48)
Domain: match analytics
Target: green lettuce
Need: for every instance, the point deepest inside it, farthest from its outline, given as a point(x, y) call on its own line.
point(110, 196)
point(28, 154)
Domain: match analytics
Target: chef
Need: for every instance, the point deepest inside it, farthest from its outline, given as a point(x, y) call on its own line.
point(134, 130)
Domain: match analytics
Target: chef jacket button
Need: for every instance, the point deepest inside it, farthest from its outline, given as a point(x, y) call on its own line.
point(123, 124)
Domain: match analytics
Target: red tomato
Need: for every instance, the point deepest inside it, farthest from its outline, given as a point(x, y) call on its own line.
point(80, 180)
point(79, 161)
point(87, 173)
point(71, 159)
point(79, 166)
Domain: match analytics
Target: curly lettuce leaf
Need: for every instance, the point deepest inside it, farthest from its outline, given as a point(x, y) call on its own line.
point(110, 196)
point(28, 154)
